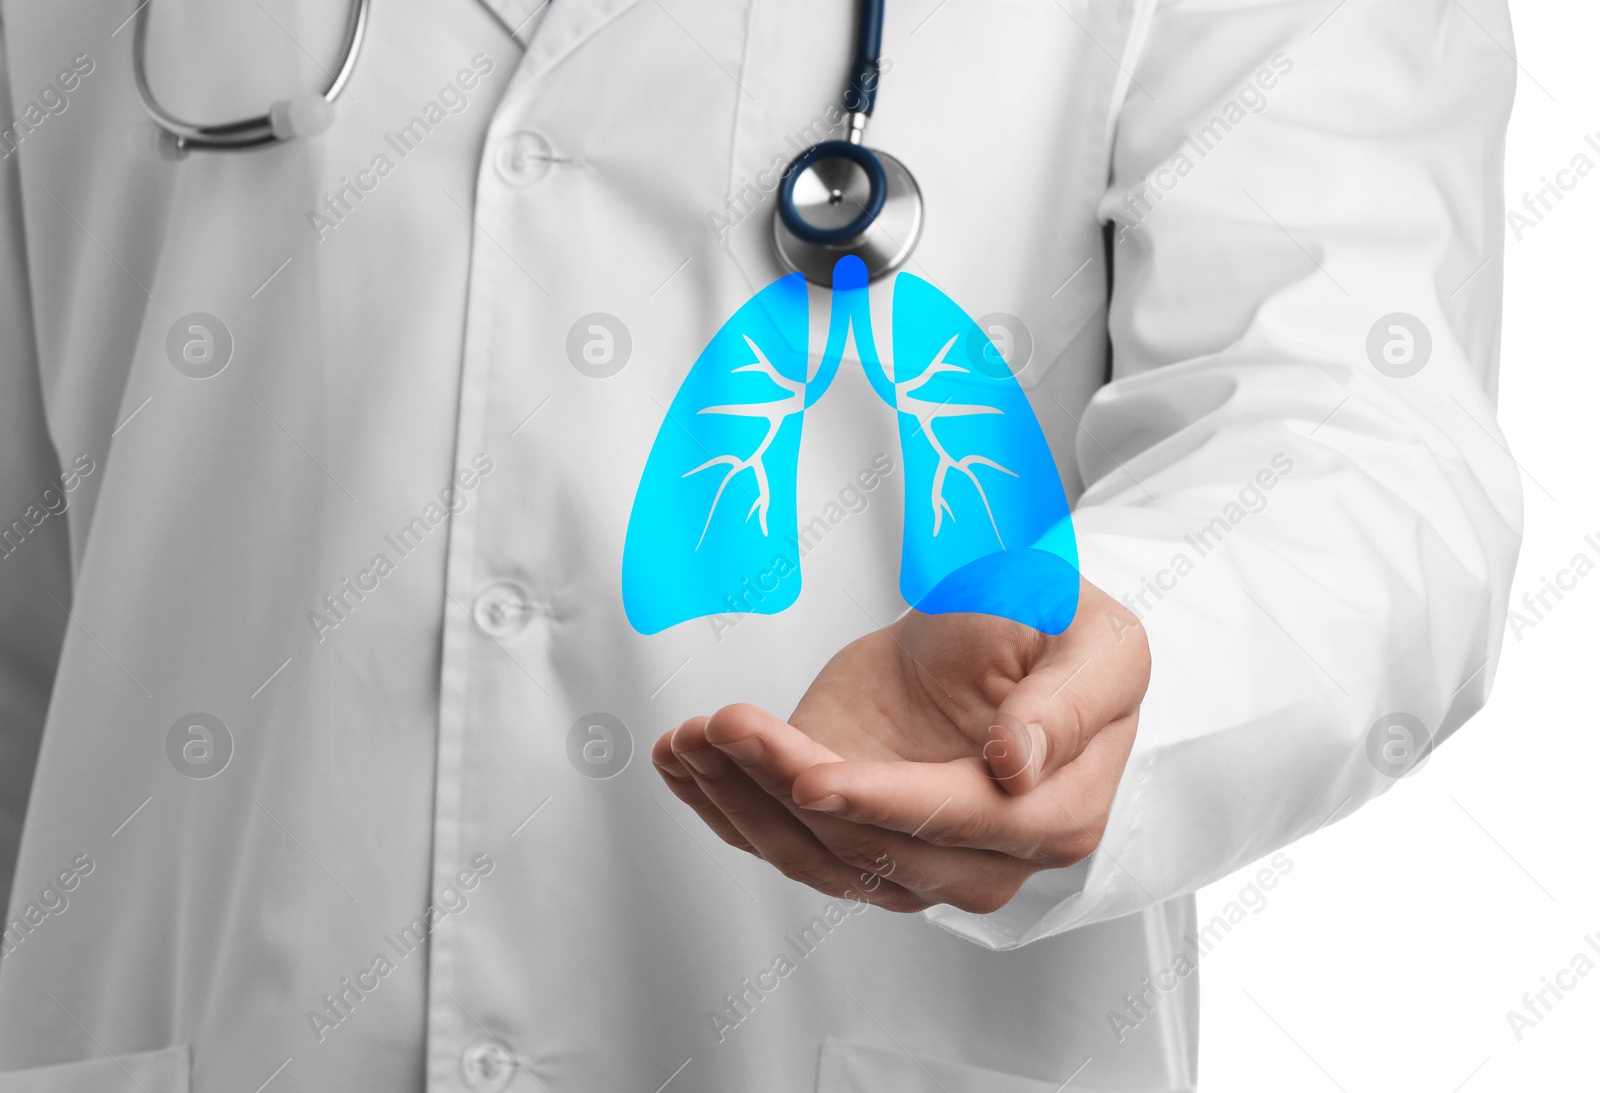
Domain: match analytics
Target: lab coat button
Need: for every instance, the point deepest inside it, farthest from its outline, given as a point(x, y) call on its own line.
point(523, 158)
point(488, 1067)
point(504, 609)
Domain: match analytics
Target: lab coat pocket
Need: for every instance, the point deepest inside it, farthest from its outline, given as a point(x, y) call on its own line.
point(164, 1071)
point(848, 1067)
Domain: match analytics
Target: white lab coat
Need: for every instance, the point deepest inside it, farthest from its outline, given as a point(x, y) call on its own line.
point(411, 750)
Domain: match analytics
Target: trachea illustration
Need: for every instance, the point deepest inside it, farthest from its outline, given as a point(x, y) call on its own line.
point(987, 528)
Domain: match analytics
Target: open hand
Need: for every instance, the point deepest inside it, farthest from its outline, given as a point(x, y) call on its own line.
point(942, 759)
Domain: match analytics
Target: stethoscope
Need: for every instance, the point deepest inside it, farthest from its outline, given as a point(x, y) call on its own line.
point(842, 198)
point(838, 198)
point(305, 116)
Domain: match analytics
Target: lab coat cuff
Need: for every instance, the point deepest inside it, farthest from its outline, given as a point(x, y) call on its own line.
point(1042, 897)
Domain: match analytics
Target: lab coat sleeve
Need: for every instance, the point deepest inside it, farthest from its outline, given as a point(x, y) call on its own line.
point(1313, 542)
point(33, 557)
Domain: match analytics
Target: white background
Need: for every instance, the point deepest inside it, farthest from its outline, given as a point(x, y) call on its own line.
point(1388, 957)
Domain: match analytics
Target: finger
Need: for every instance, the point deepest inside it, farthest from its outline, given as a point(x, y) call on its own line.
point(684, 787)
point(774, 753)
point(777, 834)
point(957, 804)
point(946, 804)
point(979, 881)
point(767, 748)
point(1098, 675)
point(661, 755)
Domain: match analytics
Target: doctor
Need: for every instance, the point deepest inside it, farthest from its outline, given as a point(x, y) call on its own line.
point(325, 734)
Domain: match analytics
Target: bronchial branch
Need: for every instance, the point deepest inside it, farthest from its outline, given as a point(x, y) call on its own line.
point(927, 413)
point(775, 413)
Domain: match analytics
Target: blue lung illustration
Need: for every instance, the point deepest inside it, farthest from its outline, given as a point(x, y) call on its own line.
point(987, 527)
point(717, 496)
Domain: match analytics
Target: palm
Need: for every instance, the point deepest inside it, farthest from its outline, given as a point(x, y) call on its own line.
point(924, 688)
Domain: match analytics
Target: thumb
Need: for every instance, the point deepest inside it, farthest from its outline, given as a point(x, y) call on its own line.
point(1042, 725)
point(1016, 751)
point(1082, 683)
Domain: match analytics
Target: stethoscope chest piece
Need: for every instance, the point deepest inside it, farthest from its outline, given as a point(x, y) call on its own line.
point(839, 198)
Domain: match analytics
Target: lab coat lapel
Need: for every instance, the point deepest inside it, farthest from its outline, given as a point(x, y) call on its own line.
point(551, 30)
point(566, 26)
point(521, 18)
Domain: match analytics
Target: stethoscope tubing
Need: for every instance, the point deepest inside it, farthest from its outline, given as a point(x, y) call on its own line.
point(862, 92)
point(253, 132)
